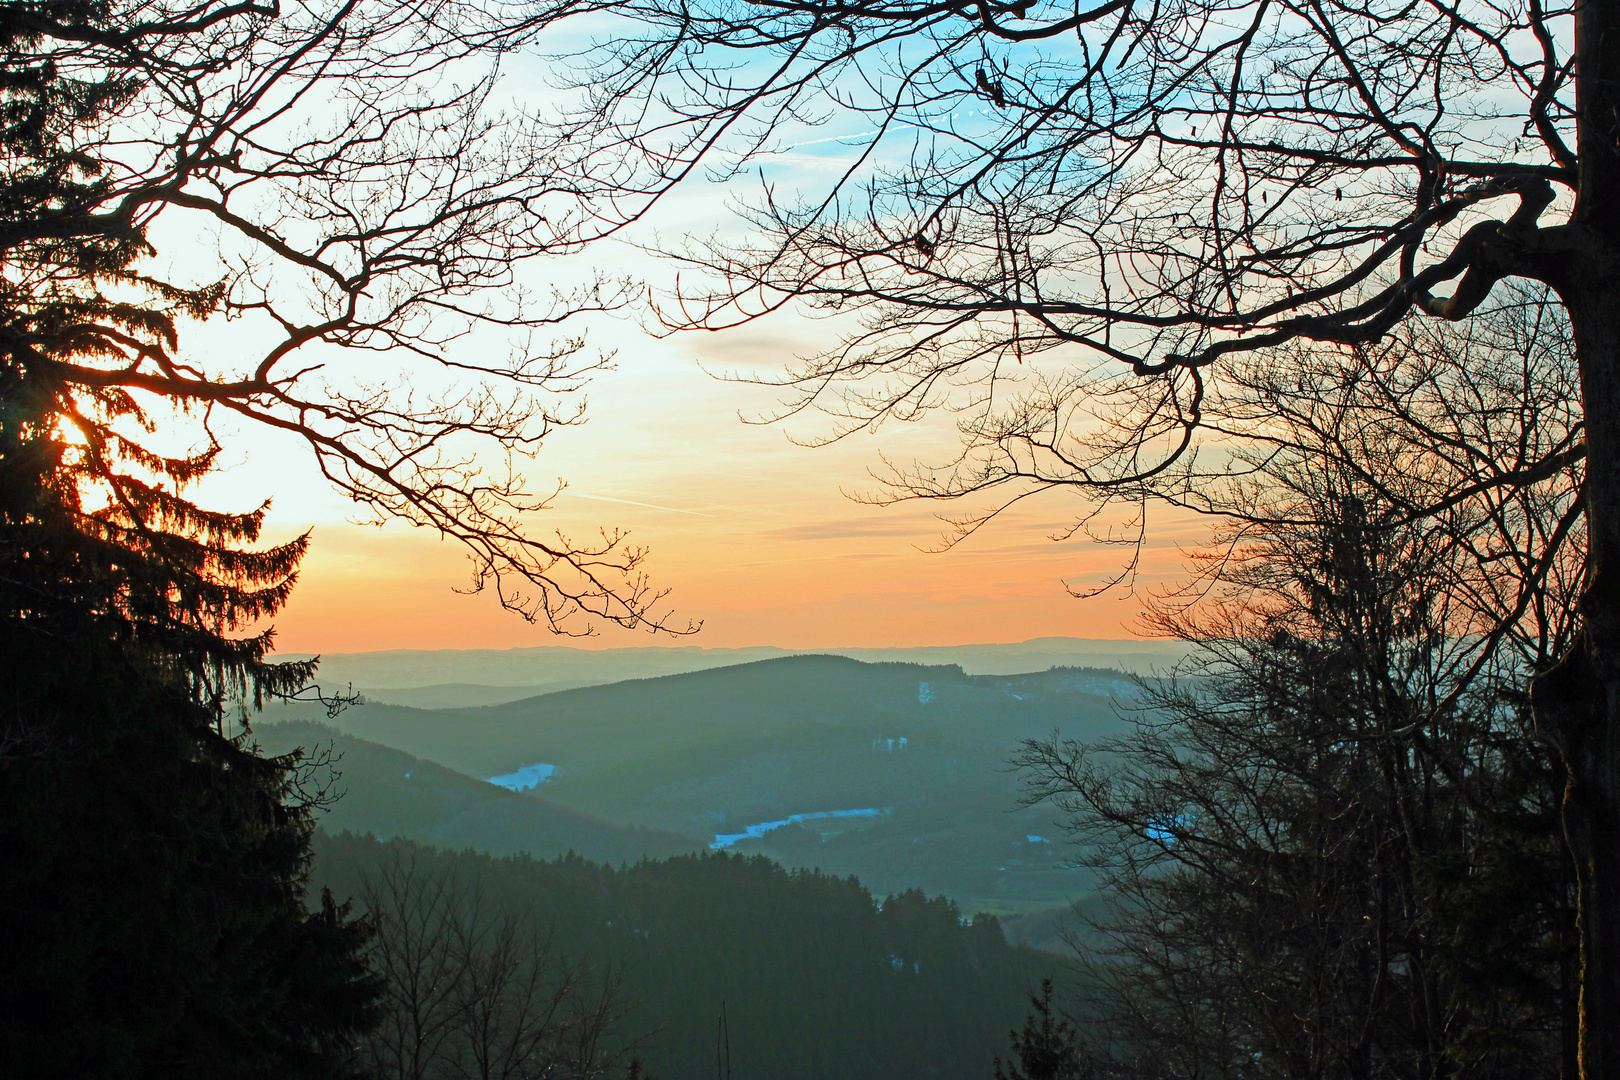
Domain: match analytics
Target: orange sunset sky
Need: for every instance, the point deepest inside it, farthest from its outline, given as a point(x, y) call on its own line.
point(752, 535)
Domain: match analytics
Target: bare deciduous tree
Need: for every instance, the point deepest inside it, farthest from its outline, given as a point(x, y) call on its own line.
point(365, 196)
point(1470, 434)
point(477, 994)
point(1327, 852)
point(1331, 844)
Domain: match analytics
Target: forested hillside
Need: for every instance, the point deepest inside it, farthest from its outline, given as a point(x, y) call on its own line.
point(719, 755)
point(816, 977)
point(391, 793)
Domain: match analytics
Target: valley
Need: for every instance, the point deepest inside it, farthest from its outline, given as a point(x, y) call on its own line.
point(892, 772)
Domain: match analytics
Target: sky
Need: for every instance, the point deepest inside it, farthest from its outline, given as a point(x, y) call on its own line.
point(754, 536)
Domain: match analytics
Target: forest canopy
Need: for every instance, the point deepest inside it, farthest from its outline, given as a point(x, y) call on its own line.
point(816, 977)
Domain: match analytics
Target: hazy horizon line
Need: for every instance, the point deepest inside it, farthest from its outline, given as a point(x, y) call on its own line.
point(746, 648)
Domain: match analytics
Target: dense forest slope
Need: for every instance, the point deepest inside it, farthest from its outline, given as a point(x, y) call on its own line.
point(710, 754)
point(818, 981)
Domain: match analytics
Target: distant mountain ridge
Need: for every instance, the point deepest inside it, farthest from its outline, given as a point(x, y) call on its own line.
point(805, 743)
point(458, 678)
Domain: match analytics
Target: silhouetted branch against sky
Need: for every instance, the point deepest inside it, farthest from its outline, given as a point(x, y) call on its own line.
point(1065, 221)
point(1062, 223)
point(366, 195)
point(1075, 223)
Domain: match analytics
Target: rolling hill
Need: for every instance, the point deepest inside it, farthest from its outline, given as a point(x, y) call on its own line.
point(459, 678)
point(767, 753)
point(389, 793)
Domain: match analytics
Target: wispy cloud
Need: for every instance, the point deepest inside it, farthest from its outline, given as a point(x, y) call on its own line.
point(632, 502)
point(846, 529)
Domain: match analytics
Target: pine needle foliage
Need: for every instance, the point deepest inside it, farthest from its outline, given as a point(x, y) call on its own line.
point(155, 863)
point(81, 481)
point(1048, 1046)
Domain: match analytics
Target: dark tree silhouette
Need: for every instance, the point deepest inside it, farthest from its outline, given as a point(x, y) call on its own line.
point(364, 195)
point(367, 200)
point(477, 992)
point(1047, 1047)
point(1329, 849)
point(154, 896)
point(1072, 222)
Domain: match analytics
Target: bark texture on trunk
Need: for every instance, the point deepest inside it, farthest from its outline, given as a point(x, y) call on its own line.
point(1577, 704)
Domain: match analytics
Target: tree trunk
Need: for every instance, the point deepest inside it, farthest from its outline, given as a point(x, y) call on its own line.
point(1577, 703)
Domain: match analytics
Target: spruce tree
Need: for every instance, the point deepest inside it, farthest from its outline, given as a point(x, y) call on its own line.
point(155, 865)
point(1048, 1047)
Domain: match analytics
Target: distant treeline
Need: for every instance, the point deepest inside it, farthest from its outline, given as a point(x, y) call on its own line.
point(817, 978)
